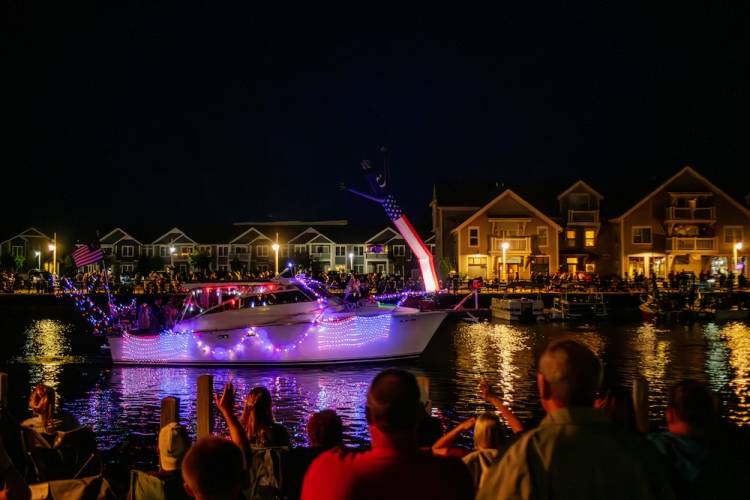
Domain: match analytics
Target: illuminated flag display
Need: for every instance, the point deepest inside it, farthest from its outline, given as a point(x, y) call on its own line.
point(87, 254)
point(424, 257)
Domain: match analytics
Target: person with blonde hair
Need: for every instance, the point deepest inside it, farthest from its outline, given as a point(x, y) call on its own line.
point(47, 419)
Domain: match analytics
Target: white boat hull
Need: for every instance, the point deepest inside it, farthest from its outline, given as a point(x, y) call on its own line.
point(338, 338)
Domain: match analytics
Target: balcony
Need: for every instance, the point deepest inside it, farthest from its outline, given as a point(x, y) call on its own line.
point(516, 244)
point(691, 244)
point(693, 214)
point(583, 217)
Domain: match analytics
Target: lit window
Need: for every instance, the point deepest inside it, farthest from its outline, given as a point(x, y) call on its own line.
point(590, 237)
point(473, 236)
point(570, 237)
point(571, 260)
point(642, 235)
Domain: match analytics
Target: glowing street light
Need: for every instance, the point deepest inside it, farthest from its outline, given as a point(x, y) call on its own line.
point(275, 247)
point(505, 245)
point(39, 259)
point(172, 250)
point(351, 262)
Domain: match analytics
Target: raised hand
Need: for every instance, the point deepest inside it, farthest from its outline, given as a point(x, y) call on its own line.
point(225, 403)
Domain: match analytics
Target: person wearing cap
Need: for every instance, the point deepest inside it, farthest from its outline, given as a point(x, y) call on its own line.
point(174, 444)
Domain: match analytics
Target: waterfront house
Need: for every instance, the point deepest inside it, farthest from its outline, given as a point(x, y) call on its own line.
point(24, 246)
point(505, 238)
point(685, 224)
point(586, 239)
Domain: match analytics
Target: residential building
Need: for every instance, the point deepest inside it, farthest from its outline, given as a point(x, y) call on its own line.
point(26, 243)
point(685, 224)
point(586, 242)
point(505, 238)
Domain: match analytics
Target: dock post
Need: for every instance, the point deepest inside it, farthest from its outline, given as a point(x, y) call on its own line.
point(640, 403)
point(424, 392)
point(3, 390)
point(170, 411)
point(204, 406)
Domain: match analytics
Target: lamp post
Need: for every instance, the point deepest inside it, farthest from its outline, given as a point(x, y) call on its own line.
point(172, 250)
point(53, 249)
point(351, 262)
point(737, 247)
point(505, 245)
point(275, 247)
point(38, 259)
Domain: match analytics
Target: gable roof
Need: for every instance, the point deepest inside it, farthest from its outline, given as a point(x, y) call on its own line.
point(684, 170)
point(173, 231)
point(115, 236)
point(508, 193)
point(582, 184)
point(384, 236)
point(29, 232)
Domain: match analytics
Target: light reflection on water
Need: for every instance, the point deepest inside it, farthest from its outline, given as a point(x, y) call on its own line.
point(117, 401)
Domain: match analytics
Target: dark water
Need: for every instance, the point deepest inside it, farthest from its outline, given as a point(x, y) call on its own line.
point(50, 343)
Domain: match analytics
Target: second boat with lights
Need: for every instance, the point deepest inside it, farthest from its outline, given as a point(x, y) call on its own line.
point(284, 321)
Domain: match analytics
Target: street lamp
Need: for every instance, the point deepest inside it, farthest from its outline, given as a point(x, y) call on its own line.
point(736, 248)
point(172, 250)
point(505, 245)
point(275, 247)
point(53, 248)
point(39, 259)
point(351, 262)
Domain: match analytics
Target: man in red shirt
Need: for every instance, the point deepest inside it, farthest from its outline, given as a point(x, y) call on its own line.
point(394, 468)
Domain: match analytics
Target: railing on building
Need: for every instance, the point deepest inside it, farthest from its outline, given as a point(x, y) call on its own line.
point(515, 244)
point(583, 217)
point(691, 213)
point(691, 244)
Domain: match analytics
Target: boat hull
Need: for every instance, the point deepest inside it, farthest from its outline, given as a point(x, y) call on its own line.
point(341, 338)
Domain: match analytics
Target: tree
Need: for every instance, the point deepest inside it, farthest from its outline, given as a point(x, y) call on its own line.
point(200, 260)
point(20, 261)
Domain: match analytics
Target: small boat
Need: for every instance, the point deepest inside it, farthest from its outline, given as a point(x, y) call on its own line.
point(578, 306)
point(283, 321)
point(517, 309)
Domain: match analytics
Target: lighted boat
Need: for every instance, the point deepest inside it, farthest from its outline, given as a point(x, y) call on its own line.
point(284, 321)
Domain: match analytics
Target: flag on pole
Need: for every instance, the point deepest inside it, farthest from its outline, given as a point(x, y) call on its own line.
point(87, 254)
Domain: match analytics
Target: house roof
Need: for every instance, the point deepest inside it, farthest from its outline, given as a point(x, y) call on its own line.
point(694, 173)
point(580, 183)
point(476, 194)
point(519, 199)
point(24, 232)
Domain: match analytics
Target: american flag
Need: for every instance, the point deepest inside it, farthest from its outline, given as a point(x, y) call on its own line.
point(87, 254)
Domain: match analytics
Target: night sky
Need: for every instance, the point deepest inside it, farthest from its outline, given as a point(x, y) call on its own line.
point(183, 111)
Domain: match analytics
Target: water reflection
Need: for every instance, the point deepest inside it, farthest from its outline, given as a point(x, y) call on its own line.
point(737, 337)
point(127, 399)
point(651, 346)
point(47, 350)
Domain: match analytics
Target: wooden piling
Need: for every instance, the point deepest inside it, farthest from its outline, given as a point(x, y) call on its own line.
point(204, 406)
point(170, 411)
